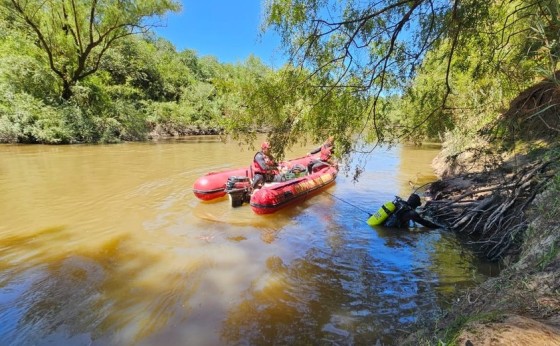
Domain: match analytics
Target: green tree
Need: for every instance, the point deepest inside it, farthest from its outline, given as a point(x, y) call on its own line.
point(281, 103)
point(378, 49)
point(76, 34)
point(485, 73)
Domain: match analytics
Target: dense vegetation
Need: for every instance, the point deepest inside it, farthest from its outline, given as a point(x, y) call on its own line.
point(429, 69)
point(64, 84)
point(91, 71)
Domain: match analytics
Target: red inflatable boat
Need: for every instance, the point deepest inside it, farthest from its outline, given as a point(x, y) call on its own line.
point(213, 184)
point(271, 197)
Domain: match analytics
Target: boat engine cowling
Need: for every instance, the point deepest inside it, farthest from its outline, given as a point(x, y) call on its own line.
point(237, 188)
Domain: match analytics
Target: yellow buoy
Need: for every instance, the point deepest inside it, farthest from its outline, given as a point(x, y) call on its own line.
point(381, 215)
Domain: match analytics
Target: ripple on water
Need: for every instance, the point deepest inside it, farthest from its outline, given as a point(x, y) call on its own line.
point(109, 243)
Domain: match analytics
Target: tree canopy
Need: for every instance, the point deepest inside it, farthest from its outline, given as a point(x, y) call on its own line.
point(423, 65)
point(76, 34)
point(76, 71)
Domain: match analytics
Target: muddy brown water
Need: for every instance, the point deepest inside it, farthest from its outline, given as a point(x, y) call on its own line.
point(107, 245)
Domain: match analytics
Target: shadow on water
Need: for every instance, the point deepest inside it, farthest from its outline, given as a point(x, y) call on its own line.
point(75, 297)
point(356, 288)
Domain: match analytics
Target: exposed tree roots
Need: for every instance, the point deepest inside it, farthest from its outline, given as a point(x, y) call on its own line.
point(491, 210)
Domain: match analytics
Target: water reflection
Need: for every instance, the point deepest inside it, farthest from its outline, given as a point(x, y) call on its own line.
point(107, 245)
point(367, 290)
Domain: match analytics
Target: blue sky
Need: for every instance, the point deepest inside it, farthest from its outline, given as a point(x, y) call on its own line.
point(226, 29)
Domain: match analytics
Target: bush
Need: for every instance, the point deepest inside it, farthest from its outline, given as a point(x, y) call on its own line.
point(25, 119)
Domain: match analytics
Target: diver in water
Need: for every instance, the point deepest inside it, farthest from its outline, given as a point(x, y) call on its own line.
point(405, 214)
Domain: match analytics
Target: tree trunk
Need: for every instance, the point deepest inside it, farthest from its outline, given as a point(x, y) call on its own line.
point(66, 91)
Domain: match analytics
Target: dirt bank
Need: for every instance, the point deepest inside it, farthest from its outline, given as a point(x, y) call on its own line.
point(522, 305)
point(510, 330)
point(502, 196)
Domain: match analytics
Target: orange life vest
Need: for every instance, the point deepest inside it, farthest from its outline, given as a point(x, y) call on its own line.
point(258, 163)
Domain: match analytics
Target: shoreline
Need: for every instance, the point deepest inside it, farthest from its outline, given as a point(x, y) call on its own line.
point(522, 304)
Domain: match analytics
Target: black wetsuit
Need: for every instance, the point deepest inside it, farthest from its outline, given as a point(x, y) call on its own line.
point(402, 216)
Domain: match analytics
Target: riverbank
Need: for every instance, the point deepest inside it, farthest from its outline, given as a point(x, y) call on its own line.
point(501, 194)
point(522, 305)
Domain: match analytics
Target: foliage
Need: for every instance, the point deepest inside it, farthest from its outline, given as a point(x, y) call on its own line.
point(426, 67)
point(25, 119)
point(142, 87)
point(363, 71)
point(197, 108)
point(75, 34)
point(21, 66)
point(282, 103)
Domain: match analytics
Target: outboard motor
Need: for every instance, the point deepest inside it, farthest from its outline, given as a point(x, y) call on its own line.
point(238, 189)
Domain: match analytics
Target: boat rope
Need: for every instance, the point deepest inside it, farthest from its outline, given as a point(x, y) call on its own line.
point(365, 211)
point(355, 206)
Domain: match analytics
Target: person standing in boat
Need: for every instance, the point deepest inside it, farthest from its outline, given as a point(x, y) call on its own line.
point(264, 166)
point(405, 214)
point(326, 150)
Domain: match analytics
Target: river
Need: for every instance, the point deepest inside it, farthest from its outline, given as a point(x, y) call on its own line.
point(107, 245)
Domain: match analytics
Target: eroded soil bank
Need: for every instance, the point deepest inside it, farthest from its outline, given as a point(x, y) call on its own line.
point(502, 196)
point(516, 222)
